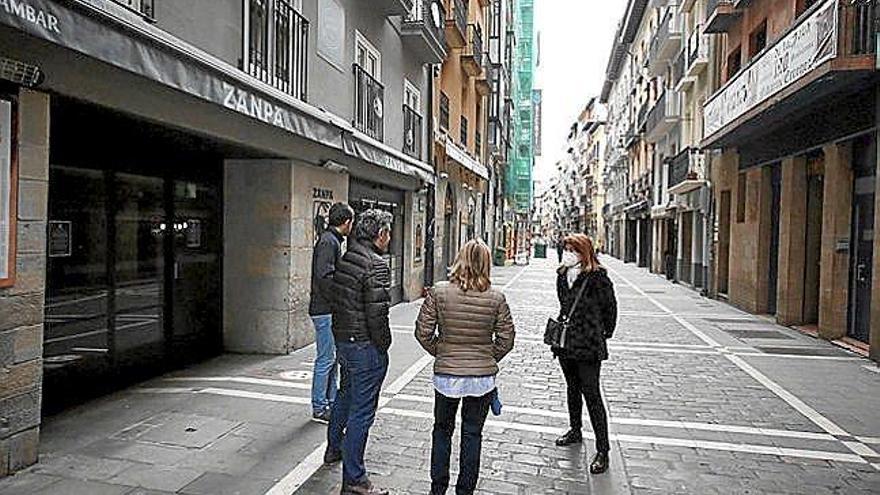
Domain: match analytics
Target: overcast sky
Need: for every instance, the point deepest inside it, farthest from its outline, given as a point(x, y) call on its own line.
point(576, 37)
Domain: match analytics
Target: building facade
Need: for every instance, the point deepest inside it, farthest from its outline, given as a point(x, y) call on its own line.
point(519, 184)
point(168, 166)
point(794, 163)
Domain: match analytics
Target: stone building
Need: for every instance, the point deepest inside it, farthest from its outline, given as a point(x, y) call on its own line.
point(165, 169)
point(794, 163)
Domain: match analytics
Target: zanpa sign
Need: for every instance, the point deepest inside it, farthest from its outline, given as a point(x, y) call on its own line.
point(806, 47)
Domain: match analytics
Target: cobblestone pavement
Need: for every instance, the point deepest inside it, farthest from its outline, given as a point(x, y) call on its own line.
point(702, 399)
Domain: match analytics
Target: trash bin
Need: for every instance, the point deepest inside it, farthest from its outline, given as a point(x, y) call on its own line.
point(540, 250)
point(500, 256)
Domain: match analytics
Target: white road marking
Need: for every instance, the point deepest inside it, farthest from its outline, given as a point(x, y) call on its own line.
point(684, 425)
point(242, 379)
point(869, 440)
point(810, 413)
point(227, 392)
point(303, 471)
point(677, 442)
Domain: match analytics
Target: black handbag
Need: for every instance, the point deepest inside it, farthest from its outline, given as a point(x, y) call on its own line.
point(556, 333)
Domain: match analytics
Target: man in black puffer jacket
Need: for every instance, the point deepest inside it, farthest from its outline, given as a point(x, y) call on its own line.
point(363, 335)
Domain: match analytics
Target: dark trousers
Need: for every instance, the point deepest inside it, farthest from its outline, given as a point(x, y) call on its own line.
point(582, 380)
point(362, 370)
point(473, 416)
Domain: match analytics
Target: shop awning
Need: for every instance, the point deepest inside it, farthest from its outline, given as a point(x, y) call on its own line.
point(150, 52)
point(460, 156)
point(364, 148)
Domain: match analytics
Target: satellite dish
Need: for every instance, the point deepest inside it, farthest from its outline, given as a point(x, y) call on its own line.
point(377, 107)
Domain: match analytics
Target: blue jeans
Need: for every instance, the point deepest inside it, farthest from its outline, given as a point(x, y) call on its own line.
point(324, 376)
point(362, 370)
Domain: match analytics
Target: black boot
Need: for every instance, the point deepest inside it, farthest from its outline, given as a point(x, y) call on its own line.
point(570, 438)
point(332, 456)
point(600, 463)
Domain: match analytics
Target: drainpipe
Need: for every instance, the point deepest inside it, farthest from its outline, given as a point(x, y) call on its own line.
point(430, 224)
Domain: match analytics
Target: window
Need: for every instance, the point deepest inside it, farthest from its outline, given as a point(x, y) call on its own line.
point(741, 199)
point(412, 97)
point(276, 35)
point(464, 131)
point(758, 39)
point(734, 62)
point(367, 56)
point(444, 112)
point(804, 5)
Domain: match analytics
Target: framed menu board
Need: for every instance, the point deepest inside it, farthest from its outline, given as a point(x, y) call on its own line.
point(8, 191)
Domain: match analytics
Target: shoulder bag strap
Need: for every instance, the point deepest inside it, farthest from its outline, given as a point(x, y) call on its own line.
point(576, 300)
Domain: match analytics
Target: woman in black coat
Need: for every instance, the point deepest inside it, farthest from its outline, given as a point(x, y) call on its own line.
point(592, 323)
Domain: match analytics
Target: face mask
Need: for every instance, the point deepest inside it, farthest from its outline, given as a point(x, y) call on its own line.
point(570, 258)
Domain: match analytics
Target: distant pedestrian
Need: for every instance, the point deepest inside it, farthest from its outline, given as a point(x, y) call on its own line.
point(327, 251)
point(466, 325)
point(592, 322)
point(363, 335)
point(560, 247)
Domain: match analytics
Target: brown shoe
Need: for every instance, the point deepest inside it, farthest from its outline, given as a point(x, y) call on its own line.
point(364, 488)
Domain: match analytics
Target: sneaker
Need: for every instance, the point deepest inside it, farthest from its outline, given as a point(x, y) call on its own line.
point(332, 456)
point(364, 488)
point(322, 417)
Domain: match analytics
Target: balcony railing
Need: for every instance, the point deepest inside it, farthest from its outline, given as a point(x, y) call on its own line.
point(686, 171)
point(666, 42)
point(424, 26)
point(472, 57)
point(412, 132)
point(720, 15)
point(456, 23)
point(144, 7)
point(278, 46)
point(369, 104)
point(663, 116)
point(678, 69)
point(697, 52)
point(862, 16)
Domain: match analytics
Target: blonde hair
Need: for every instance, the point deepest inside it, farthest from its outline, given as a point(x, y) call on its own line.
point(471, 268)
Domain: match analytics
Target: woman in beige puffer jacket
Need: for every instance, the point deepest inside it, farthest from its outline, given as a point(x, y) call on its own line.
point(466, 325)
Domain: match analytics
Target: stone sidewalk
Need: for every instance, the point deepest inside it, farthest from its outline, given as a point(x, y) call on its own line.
point(702, 399)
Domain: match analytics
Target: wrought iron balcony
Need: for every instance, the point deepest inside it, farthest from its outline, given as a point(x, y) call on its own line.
point(412, 132)
point(286, 66)
point(697, 53)
point(424, 31)
point(720, 15)
point(666, 42)
point(369, 104)
point(145, 8)
point(687, 172)
point(456, 23)
point(678, 70)
point(665, 114)
point(472, 56)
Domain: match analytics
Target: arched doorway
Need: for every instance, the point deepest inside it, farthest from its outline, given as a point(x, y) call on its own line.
point(449, 233)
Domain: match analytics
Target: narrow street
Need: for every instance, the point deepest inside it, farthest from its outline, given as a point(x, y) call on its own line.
point(702, 399)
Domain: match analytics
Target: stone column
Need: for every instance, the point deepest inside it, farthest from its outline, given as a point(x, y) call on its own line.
point(836, 226)
point(269, 208)
point(21, 306)
point(792, 233)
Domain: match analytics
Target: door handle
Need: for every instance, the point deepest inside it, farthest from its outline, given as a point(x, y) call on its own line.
point(176, 270)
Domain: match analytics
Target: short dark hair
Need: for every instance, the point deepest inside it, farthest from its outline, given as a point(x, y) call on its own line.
point(339, 214)
point(371, 223)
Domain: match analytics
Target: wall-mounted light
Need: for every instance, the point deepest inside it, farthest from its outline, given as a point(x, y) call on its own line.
point(444, 176)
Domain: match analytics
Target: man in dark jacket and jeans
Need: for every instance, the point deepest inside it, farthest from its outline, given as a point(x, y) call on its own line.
point(328, 249)
point(363, 336)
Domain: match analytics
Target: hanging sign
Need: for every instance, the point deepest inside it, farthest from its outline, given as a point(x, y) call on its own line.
point(8, 181)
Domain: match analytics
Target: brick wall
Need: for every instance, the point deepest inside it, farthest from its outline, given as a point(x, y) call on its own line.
point(21, 306)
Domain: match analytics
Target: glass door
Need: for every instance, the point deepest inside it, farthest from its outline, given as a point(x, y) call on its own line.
point(195, 271)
